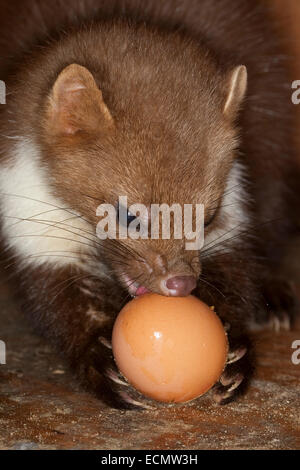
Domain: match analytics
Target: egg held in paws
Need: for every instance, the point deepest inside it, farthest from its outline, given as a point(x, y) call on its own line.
point(171, 349)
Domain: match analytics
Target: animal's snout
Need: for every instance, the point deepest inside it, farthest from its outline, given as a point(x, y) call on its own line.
point(180, 286)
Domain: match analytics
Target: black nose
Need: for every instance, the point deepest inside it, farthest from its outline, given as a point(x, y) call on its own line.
point(181, 286)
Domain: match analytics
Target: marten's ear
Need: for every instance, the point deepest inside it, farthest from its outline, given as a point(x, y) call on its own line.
point(76, 104)
point(236, 90)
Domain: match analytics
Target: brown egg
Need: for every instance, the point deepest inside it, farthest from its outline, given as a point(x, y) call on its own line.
point(172, 349)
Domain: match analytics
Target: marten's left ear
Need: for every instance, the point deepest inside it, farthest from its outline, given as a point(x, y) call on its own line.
point(236, 90)
point(76, 104)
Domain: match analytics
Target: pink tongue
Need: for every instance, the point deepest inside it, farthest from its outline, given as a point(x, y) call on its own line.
point(141, 290)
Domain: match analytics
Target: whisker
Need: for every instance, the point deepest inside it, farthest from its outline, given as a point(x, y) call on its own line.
point(71, 211)
point(249, 230)
point(44, 255)
point(211, 285)
point(71, 283)
point(53, 237)
point(53, 225)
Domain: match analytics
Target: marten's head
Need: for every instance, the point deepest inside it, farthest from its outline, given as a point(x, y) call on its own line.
point(141, 114)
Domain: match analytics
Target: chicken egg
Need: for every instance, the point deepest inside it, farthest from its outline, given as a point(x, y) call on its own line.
point(171, 349)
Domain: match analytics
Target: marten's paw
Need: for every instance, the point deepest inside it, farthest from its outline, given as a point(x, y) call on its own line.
point(234, 377)
point(98, 371)
point(125, 396)
point(280, 308)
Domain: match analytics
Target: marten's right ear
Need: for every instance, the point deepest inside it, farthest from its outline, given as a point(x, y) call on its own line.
point(235, 91)
point(76, 104)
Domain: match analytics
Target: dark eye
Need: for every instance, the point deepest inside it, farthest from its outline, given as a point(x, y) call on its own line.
point(130, 218)
point(124, 217)
point(210, 219)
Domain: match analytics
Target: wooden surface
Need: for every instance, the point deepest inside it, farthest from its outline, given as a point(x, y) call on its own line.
point(42, 406)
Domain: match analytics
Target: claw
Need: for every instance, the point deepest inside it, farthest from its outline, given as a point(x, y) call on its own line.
point(234, 380)
point(127, 399)
point(105, 342)
point(238, 380)
point(112, 375)
point(236, 355)
point(220, 396)
point(227, 387)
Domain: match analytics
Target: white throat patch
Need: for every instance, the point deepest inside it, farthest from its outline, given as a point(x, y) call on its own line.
point(234, 218)
point(36, 224)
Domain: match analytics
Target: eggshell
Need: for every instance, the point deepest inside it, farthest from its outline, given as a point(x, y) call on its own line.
point(171, 349)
